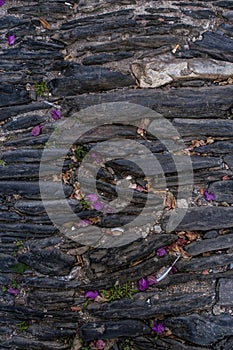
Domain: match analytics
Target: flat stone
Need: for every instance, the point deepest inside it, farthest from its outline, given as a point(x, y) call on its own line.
point(213, 102)
point(199, 14)
point(210, 234)
point(198, 128)
point(117, 258)
point(142, 343)
point(225, 292)
point(164, 70)
point(80, 79)
point(223, 191)
point(218, 147)
point(201, 263)
point(225, 3)
point(201, 330)
point(151, 304)
point(48, 261)
point(111, 329)
point(6, 112)
point(215, 45)
point(23, 122)
point(6, 263)
point(34, 207)
point(11, 95)
point(219, 243)
point(201, 219)
point(31, 190)
point(229, 160)
point(228, 15)
point(106, 57)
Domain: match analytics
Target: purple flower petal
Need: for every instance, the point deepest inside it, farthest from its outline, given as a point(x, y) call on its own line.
point(13, 291)
point(140, 188)
point(99, 344)
point(56, 114)
point(11, 39)
point(143, 284)
point(83, 223)
point(2, 2)
point(209, 196)
point(92, 197)
point(109, 209)
point(36, 130)
point(158, 328)
point(98, 205)
point(161, 252)
point(91, 294)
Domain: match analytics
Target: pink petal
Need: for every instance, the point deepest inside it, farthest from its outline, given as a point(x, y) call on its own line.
point(161, 252)
point(91, 294)
point(36, 130)
point(11, 40)
point(56, 114)
point(13, 291)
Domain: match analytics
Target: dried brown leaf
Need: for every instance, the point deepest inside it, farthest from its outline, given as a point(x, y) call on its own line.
point(44, 23)
point(170, 201)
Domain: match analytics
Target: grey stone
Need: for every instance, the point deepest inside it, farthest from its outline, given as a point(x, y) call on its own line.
point(218, 243)
point(149, 305)
point(210, 234)
point(111, 329)
point(228, 15)
point(201, 330)
point(213, 102)
point(205, 262)
point(81, 79)
point(49, 261)
point(200, 218)
point(164, 70)
point(225, 292)
point(6, 263)
point(223, 191)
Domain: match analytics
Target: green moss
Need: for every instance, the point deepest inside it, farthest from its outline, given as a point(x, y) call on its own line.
point(41, 88)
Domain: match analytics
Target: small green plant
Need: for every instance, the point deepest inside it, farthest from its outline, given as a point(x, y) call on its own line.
point(84, 204)
point(118, 292)
point(41, 88)
point(19, 244)
point(2, 163)
point(80, 153)
point(14, 284)
point(4, 289)
point(85, 346)
point(22, 326)
point(128, 344)
point(19, 268)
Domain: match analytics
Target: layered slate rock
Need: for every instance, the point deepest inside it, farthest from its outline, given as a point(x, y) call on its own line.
point(202, 218)
point(80, 79)
point(102, 330)
point(201, 330)
point(166, 69)
point(88, 53)
point(225, 292)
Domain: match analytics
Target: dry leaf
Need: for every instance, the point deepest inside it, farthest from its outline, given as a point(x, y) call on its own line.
point(66, 177)
point(192, 236)
point(44, 23)
point(176, 248)
point(198, 143)
point(95, 220)
point(75, 308)
point(209, 140)
point(170, 201)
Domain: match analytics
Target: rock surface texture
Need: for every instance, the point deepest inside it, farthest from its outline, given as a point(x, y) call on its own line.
point(158, 76)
